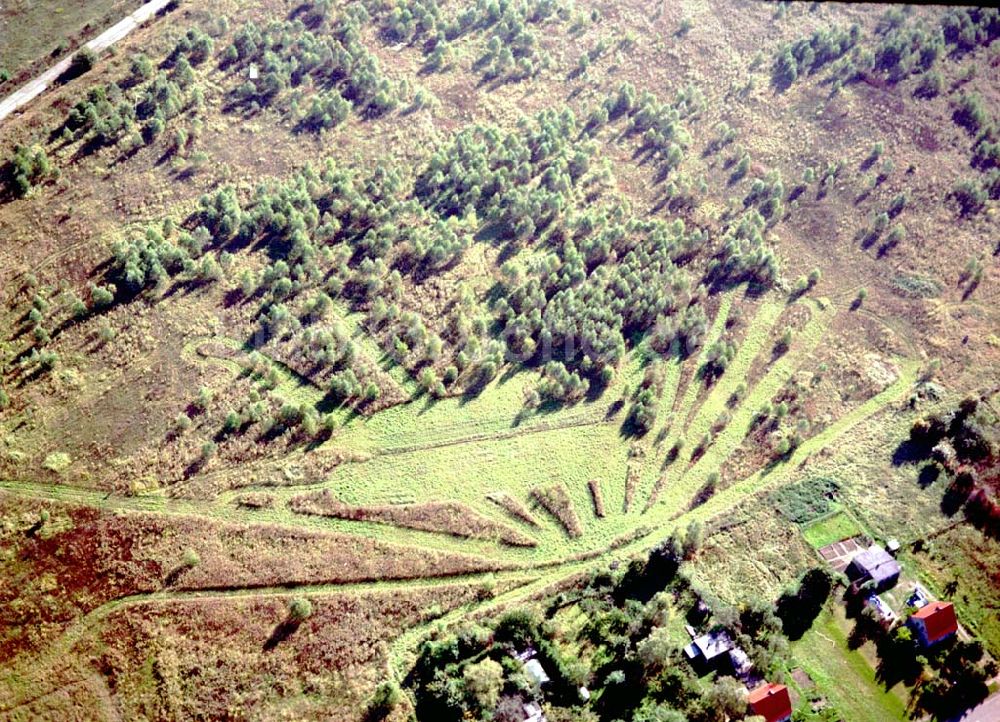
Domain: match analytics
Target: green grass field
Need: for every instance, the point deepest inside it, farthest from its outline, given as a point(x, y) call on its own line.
point(830, 529)
point(843, 676)
point(472, 450)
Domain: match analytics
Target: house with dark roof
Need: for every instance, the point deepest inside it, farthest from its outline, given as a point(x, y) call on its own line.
point(771, 701)
point(709, 647)
point(717, 651)
point(876, 565)
point(934, 622)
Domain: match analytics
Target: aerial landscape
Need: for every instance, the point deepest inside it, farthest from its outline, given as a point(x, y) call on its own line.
point(515, 360)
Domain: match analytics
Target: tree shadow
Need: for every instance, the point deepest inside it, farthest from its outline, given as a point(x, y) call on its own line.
point(909, 452)
point(953, 500)
point(929, 473)
point(283, 631)
point(174, 574)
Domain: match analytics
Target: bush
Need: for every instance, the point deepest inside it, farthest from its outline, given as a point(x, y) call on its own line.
point(83, 62)
point(386, 698)
point(931, 84)
point(971, 197)
point(786, 69)
point(28, 167)
point(970, 113)
point(300, 609)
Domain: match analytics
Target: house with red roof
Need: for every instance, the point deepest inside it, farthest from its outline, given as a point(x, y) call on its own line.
point(934, 622)
point(771, 701)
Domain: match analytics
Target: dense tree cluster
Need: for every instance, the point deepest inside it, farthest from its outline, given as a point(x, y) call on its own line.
point(972, 193)
point(289, 55)
point(965, 445)
point(513, 49)
point(195, 46)
point(597, 276)
point(632, 665)
point(744, 253)
point(138, 107)
point(809, 55)
point(146, 260)
point(900, 48)
point(29, 166)
point(647, 397)
point(969, 28)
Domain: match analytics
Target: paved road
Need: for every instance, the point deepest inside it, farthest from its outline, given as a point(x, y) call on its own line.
point(988, 711)
point(33, 88)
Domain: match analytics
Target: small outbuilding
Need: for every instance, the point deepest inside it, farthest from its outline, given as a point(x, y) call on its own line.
point(876, 565)
point(533, 712)
point(717, 651)
point(536, 671)
point(708, 647)
point(883, 610)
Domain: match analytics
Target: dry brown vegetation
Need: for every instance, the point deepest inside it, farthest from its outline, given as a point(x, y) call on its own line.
point(92, 556)
point(447, 517)
point(126, 374)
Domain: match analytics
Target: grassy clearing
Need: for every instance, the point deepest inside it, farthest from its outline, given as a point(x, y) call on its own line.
point(469, 471)
point(845, 677)
point(488, 454)
point(779, 557)
point(33, 28)
point(677, 418)
point(681, 485)
point(830, 529)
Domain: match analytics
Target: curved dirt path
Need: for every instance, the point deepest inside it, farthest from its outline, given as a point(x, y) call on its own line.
point(527, 580)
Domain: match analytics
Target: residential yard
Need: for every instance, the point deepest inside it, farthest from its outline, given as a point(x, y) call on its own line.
point(963, 566)
point(846, 678)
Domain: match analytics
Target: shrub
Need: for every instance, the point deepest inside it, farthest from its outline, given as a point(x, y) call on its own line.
point(208, 450)
point(786, 69)
point(971, 197)
point(896, 236)
point(83, 62)
point(300, 609)
point(28, 167)
point(931, 84)
point(897, 205)
point(970, 113)
point(386, 698)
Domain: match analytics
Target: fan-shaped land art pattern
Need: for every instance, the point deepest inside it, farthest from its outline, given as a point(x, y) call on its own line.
point(534, 495)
